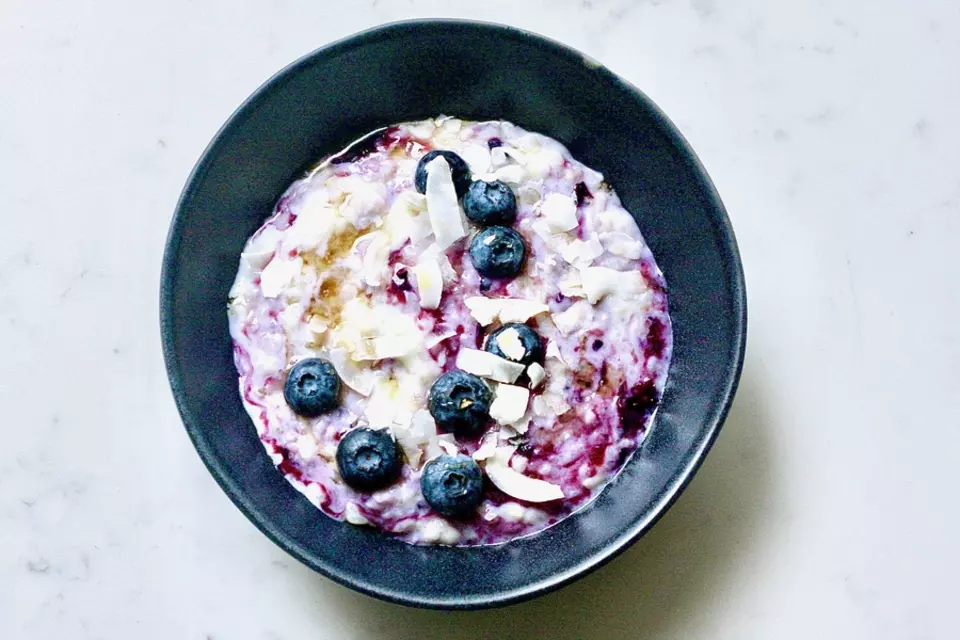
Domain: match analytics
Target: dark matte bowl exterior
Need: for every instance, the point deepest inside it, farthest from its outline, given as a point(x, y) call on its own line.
point(414, 70)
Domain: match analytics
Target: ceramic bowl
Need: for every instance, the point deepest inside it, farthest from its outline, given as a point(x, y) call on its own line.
point(409, 71)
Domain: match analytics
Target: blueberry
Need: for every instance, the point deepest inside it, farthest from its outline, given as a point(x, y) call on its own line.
point(368, 459)
point(490, 203)
point(452, 485)
point(460, 403)
point(498, 252)
point(533, 350)
point(312, 388)
point(458, 169)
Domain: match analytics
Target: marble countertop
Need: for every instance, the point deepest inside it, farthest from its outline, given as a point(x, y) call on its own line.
point(828, 507)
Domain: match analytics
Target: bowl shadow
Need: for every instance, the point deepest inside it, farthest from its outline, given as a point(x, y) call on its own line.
point(659, 587)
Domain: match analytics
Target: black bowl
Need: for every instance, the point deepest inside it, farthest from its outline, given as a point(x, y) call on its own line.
point(414, 70)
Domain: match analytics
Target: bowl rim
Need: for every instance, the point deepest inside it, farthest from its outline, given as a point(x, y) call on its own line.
point(681, 478)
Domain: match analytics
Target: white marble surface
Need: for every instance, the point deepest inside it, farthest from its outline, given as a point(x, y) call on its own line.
point(828, 507)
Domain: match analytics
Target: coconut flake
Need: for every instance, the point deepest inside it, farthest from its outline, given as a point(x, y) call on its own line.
point(486, 310)
point(441, 444)
point(501, 155)
point(393, 346)
point(483, 310)
point(488, 447)
point(570, 284)
point(517, 310)
point(509, 403)
point(377, 334)
point(582, 253)
point(541, 163)
point(570, 320)
point(511, 174)
point(316, 221)
point(599, 282)
point(488, 365)
point(317, 325)
point(536, 373)
point(442, 204)
point(421, 228)
point(477, 157)
point(358, 319)
point(522, 425)
point(509, 342)
point(352, 375)
point(380, 408)
point(375, 258)
point(421, 430)
point(448, 444)
point(429, 279)
point(291, 317)
point(307, 446)
point(560, 212)
point(553, 351)
point(484, 451)
point(621, 244)
point(517, 485)
point(278, 275)
point(549, 405)
point(435, 339)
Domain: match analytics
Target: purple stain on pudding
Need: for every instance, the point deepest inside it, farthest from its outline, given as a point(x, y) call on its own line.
point(653, 276)
point(612, 405)
point(398, 286)
point(445, 353)
point(403, 280)
point(287, 467)
point(582, 193)
point(283, 217)
point(656, 340)
point(636, 405)
point(457, 251)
